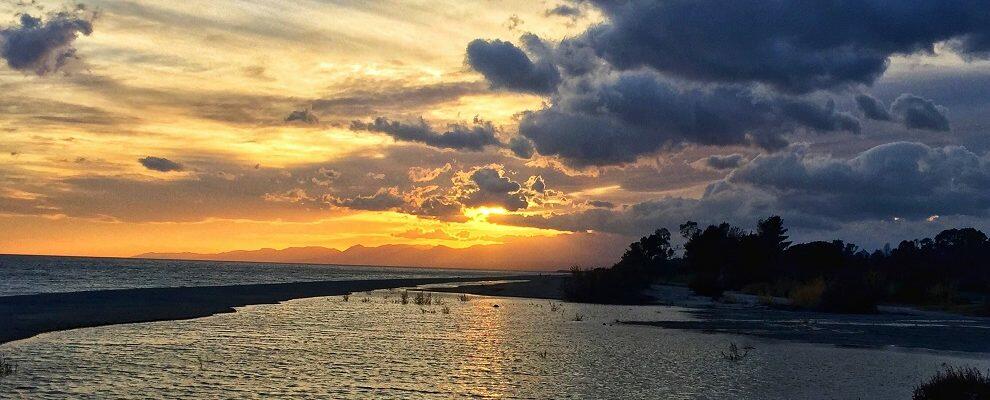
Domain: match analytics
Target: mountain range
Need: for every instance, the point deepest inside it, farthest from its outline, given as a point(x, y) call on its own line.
point(547, 253)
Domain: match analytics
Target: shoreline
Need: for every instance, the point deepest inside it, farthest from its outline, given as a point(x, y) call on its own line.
point(26, 316)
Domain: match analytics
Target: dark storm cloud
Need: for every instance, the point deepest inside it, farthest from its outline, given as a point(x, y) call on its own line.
point(160, 164)
point(795, 46)
point(906, 180)
point(43, 46)
point(618, 117)
point(303, 116)
point(909, 181)
point(461, 137)
point(872, 108)
point(506, 66)
point(919, 113)
point(730, 161)
point(522, 147)
point(494, 188)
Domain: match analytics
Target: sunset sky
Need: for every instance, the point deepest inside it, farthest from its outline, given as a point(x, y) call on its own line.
point(135, 126)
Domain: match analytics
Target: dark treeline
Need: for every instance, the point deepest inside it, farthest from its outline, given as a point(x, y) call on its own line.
point(950, 269)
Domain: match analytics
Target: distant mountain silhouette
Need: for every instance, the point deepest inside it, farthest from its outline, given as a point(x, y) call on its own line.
point(544, 253)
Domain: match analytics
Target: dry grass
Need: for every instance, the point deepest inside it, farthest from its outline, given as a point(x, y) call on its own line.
point(445, 310)
point(345, 298)
point(463, 297)
point(404, 297)
point(578, 317)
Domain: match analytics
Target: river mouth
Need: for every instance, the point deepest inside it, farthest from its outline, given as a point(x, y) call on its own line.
point(373, 345)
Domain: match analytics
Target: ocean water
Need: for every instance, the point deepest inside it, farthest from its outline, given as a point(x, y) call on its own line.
point(41, 274)
point(372, 346)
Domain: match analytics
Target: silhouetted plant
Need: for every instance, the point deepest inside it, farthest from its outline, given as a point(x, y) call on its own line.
point(404, 297)
point(578, 317)
point(6, 367)
point(423, 298)
point(463, 297)
point(954, 383)
point(734, 353)
point(345, 298)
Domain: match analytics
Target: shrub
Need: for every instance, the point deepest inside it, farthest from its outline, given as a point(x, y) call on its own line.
point(851, 294)
point(808, 295)
point(404, 297)
point(463, 297)
point(954, 384)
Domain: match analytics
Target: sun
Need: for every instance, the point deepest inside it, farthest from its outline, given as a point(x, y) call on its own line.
point(482, 213)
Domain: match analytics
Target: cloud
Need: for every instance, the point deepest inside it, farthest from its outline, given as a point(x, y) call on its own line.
point(325, 176)
point(296, 195)
point(909, 181)
point(615, 118)
point(160, 164)
point(600, 204)
point(461, 137)
point(368, 99)
point(44, 46)
point(489, 186)
point(720, 162)
point(794, 46)
point(901, 179)
point(384, 199)
point(565, 10)
point(420, 174)
point(304, 116)
point(919, 113)
point(506, 66)
point(522, 147)
point(872, 108)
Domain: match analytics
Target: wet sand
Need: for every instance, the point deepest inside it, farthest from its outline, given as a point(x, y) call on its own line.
point(25, 316)
point(533, 287)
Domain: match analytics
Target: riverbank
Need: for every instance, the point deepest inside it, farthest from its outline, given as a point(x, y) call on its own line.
point(25, 316)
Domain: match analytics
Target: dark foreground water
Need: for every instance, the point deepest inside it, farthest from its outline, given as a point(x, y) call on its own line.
point(43, 274)
point(372, 346)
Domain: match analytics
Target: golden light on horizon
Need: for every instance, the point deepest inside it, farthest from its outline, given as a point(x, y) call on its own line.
point(482, 213)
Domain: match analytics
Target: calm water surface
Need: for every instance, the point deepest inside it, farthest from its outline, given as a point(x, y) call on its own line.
point(373, 347)
point(42, 274)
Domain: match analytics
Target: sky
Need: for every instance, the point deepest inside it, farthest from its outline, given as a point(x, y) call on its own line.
point(156, 126)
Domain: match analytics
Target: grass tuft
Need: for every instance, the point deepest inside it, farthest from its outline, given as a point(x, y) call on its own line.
point(6, 367)
point(735, 353)
point(954, 383)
